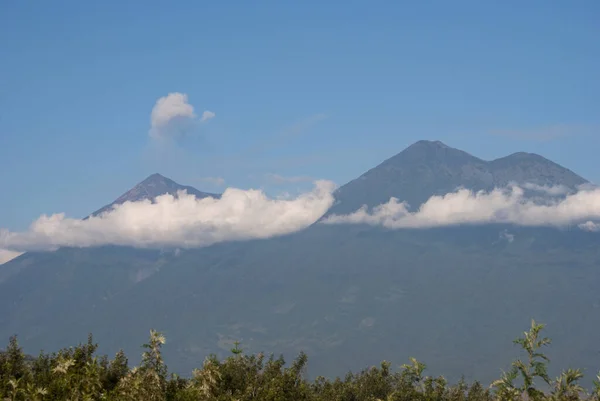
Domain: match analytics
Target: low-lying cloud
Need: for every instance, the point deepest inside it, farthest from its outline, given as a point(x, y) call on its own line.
point(184, 221)
point(555, 190)
point(178, 221)
point(173, 116)
point(506, 205)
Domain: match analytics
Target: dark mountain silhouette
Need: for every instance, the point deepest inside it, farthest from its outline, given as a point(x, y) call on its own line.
point(429, 168)
point(348, 295)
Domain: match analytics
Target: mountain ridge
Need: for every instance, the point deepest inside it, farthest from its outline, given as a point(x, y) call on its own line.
point(428, 168)
point(443, 161)
point(430, 158)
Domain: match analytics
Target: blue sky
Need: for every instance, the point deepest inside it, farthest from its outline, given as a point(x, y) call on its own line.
point(317, 89)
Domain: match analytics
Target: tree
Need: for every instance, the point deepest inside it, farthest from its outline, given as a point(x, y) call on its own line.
point(534, 366)
point(566, 386)
point(76, 373)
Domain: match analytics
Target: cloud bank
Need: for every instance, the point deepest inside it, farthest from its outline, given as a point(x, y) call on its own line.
point(173, 116)
point(183, 221)
point(178, 221)
point(507, 205)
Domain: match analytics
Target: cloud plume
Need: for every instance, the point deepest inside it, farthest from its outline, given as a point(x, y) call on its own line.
point(178, 221)
point(173, 116)
point(506, 205)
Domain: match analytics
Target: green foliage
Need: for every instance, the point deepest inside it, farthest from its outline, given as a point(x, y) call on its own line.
point(566, 386)
point(534, 366)
point(77, 373)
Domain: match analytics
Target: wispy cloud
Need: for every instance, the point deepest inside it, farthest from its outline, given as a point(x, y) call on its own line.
point(260, 156)
point(507, 236)
point(181, 222)
point(207, 115)
point(294, 130)
point(6, 255)
point(555, 190)
point(217, 181)
point(590, 226)
point(173, 116)
point(277, 179)
point(300, 126)
point(546, 133)
point(502, 205)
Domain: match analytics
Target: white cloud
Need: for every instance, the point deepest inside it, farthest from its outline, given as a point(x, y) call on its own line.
point(207, 115)
point(180, 222)
point(280, 179)
point(171, 106)
point(172, 116)
point(184, 222)
point(506, 205)
point(507, 236)
point(6, 255)
point(590, 226)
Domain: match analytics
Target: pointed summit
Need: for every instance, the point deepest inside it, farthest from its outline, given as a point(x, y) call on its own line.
point(423, 169)
point(153, 186)
point(155, 177)
point(428, 143)
point(430, 152)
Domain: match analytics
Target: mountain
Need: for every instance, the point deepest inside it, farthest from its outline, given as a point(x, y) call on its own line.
point(348, 295)
point(152, 187)
point(429, 168)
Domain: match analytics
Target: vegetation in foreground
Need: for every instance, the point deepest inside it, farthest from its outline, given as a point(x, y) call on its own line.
point(76, 373)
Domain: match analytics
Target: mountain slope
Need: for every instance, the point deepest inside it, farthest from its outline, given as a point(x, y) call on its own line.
point(348, 297)
point(429, 168)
